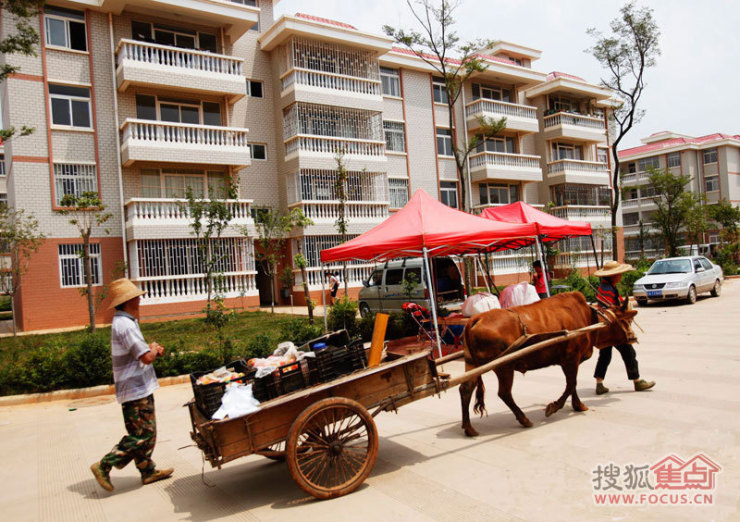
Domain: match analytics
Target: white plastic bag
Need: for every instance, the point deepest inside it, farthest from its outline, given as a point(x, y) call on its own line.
point(479, 303)
point(519, 294)
point(238, 400)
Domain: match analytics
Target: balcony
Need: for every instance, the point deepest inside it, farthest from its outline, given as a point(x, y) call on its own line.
point(574, 126)
point(361, 215)
point(312, 149)
point(504, 166)
point(161, 141)
point(153, 65)
point(308, 85)
point(522, 118)
point(578, 171)
point(356, 274)
point(153, 218)
point(176, 289)
point(594, 214)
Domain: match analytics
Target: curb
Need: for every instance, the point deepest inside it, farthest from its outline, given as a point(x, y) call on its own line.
point(80, 393)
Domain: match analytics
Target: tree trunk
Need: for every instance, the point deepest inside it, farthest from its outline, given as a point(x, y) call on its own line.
point(271, 274)
point(88, 280)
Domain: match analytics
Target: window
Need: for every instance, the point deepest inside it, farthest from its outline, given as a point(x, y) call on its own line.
point(251, 3)
point(394, 138)
point(444, 142)
point(259, 151)
point(439, 90)
point(448, 193)
point(4, 203)
point(394, 276)
point(647, 191)
point(2, 164)
point(632, 168)
point(496, 145)
point(72, 265)
point(173, 36)
point(581, 194)
point(254, 89)
point(562, 103)
point(70, 106)
point(177, 111)
point(631, 219)
point(489, 92)
point(74, 179)
point(390, 82)
point(712, 183)
point(174, 183)
point(498, 193)
point(65, 28)
point(602, 155)
point(710, 156)
point(674, 159)
point(645, 164)
point(398, 190)
point(706, 263)
point(566, 151)
point(631, 194)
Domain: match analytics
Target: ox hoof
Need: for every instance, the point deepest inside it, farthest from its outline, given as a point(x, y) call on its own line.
point(580, 407)
point(524, 421)
point(551, 408)
point(470, 432)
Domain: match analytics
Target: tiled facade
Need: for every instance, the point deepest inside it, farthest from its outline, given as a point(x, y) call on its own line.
point(712, 162)
point(192, 94)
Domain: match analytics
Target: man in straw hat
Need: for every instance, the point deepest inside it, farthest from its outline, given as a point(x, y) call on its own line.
point(135, 382)
point(608, 295)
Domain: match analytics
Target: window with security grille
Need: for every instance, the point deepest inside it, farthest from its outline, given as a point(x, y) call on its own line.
point(313, 245)
point(72, 265)
point(399, 192)
point(73, 179)
point(581, 194)
point(177, 257)
point(65, 28)
point(390, 80)
point(394, 138)
point(645, 164)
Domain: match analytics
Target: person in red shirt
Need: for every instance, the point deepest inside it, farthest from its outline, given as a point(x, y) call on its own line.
point(538, 280)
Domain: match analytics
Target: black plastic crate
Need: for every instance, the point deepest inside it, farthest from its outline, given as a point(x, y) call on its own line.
point(208, 396)
point(338, 338)
point(286, 379)
point(335, 361)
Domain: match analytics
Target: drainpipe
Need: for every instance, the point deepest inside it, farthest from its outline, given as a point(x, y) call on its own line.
point(118, 145)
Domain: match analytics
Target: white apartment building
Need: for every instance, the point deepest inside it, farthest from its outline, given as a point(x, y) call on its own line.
point(139, 100)
point(712, 162)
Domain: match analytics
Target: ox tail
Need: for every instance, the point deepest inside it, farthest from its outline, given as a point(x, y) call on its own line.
point(480, 395)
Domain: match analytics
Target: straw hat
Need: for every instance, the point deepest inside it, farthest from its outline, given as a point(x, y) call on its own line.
point(611, 268)
point(122, 290)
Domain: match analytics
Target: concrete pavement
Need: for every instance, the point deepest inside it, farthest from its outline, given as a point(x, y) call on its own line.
point(426, 468)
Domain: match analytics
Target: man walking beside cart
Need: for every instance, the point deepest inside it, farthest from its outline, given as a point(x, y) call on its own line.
point(135, 383)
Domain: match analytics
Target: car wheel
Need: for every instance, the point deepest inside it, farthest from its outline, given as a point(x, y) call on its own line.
point(641, 302)
point(691, 297)
point(364, 310)
point(717, 289)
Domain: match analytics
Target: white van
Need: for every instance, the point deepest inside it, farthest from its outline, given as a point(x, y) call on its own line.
point(384, 289)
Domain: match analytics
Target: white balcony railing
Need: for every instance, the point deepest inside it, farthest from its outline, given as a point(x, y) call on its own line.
point(356, 274)
point(355, 210)
point(499, 107)
point(577, 165)
point(163, 132)
point(332, 146)
point(156, 210)
point(504, 159)
point(581, 212)
point(194, 287)
point(325, 80)
point(578, 120)
point(188, 59)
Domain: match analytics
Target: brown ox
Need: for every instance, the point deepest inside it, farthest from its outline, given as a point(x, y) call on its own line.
point(487, 336)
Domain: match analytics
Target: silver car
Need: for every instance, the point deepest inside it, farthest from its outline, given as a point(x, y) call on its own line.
point(679, 278)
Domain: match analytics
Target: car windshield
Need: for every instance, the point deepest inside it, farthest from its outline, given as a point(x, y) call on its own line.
point(671, 266)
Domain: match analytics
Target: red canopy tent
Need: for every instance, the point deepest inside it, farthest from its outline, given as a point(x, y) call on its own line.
point(426, 227)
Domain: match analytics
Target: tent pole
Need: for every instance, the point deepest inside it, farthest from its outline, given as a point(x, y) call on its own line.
point(323, 296)
point(540, 248)
point(596, 256)
point(485, 273)
point(433, 300)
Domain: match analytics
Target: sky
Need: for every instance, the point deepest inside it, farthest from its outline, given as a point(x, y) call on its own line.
point(699, 41)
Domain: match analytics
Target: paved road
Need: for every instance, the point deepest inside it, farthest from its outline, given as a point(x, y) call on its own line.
point(426, 468)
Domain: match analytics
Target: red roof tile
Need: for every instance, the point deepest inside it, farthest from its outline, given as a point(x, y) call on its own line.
point(557, 74)
point(324, 21)
point(484, 57)
point(660, 145)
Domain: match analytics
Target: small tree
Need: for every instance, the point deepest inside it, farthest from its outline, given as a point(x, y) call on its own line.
point(674, 204)
point(19, 238)
point(630, 49)
point(273, 228)
point(728, 217)
point(697, 221)
point(302, 263)
point(22, 41)
point(340, 189)
point(87, 212)
point(436, 45)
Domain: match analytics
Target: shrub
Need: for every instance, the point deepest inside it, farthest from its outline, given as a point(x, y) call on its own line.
point(343, 315)
point(587, 286)
point(725, 257)
point(88, 362)
point(300, 331)
point(44, 370)
point(260, 345)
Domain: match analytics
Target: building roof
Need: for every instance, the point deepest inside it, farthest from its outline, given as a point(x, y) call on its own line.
point(557, 74)
point(652, 144)
point(324, 20)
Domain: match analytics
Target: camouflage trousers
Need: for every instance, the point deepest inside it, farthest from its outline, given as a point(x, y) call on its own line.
point(138, 445)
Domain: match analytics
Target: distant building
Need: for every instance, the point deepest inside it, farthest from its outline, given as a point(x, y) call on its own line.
point(712, 162)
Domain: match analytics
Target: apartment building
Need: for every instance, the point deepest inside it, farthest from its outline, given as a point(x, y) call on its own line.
point(712, 162)
point(141, 100)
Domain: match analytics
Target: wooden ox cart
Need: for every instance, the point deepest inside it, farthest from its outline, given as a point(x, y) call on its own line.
point(326, 433)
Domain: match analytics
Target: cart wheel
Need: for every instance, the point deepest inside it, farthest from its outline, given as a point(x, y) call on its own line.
point(274, 452)
point(332, 447)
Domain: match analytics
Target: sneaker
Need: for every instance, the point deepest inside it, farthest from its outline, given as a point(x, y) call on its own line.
point(158, 474)
point(101, 476)
point(601, 389)
point(643, 385)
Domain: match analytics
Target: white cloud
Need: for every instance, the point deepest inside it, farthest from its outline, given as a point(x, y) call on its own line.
point(690, 91)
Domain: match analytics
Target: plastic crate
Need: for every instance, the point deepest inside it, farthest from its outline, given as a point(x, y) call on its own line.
point(338, 338)
point(286, 379)
point(208, 396)
point(336, 361)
